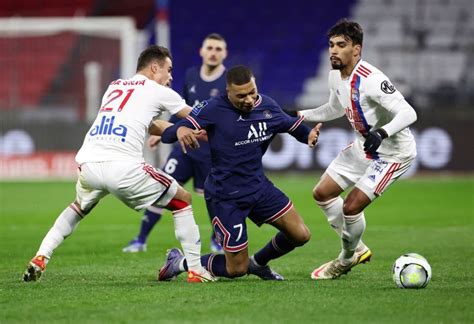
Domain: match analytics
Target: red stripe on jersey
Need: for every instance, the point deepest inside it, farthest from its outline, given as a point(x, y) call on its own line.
point(157, 176)
point(194, 122)
point(364, 69)
point(362, 73)
point(295, 125)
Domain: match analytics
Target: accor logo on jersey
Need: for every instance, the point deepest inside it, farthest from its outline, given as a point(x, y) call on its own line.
point(106, 127)
point(256, 134)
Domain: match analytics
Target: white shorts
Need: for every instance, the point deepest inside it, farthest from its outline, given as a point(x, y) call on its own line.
point(138, 185)
point(372, 177)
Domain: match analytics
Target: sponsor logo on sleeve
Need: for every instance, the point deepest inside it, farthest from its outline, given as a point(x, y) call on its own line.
point(197, 109)
point(387, 87)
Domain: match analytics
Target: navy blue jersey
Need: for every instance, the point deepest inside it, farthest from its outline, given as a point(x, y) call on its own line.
point(238, 141)
point(196, 90)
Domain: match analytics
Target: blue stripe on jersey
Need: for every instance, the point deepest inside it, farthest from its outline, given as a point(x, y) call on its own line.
point(355, 97)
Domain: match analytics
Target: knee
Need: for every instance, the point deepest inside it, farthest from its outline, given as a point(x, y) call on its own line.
point(238, 270)
point(302, 236)
point(351, 207)
point(321, 195)
point(185, 196)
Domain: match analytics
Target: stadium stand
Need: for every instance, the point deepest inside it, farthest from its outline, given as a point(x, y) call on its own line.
point(282, 54)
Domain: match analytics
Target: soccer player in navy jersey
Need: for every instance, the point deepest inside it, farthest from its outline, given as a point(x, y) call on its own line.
point(240, 126)
point(201, 82)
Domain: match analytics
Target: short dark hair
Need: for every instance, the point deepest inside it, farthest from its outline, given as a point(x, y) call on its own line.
point(350, 30)
point(152, 53)
point(238, 75)
point(215, 36)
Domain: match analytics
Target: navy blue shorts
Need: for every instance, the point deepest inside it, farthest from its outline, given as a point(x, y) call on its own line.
point(228, 216)
point(182, 167)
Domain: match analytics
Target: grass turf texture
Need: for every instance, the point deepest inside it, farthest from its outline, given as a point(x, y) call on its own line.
point(89, 279)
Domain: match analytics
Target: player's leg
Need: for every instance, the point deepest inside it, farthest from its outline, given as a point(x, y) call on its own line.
point(229, 265)
point(292, 233)
point(275, 208)
point(348, 167)
point(327, 195)
point(86, 199)
point(377, 178)
point(231, 231)
point(181, 169)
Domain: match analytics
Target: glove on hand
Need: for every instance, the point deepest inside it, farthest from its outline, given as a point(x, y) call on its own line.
point(373, 139)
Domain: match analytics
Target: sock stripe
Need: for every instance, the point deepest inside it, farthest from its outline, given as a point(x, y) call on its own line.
point(77, 210)
point(185, 209)
point(209, 264)
point(274, 243)
point(327, 202)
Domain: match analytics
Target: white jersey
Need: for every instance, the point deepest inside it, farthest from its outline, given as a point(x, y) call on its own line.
point(370, 101)
point(128, 107)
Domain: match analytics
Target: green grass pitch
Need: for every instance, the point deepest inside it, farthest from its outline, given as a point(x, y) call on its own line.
point(89, 279)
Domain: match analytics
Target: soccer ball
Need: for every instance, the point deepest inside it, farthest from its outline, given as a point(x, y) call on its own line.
point(411, 270)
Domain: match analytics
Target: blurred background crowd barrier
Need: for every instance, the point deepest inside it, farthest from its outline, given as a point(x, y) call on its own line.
point(57, 57)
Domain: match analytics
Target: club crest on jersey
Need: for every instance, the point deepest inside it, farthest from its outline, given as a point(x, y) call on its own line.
point(267, 114)
point(355, 95)
point(106, 127)
point(197, 109)
point(387, 87)
point(214, 93)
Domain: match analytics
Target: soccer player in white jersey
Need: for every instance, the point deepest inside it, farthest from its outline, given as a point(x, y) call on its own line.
point(383, 148)
point(111, 161)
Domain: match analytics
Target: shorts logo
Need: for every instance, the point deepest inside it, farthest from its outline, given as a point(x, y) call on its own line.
point(197, 109)
point(372, 177)
point(387, 87)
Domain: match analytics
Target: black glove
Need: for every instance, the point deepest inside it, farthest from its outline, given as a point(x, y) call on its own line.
point(373, 139)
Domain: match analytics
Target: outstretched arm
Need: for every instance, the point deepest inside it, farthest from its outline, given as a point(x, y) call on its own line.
point(329, 111)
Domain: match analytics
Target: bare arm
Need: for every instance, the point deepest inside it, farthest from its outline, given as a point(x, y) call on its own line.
point(157, 127)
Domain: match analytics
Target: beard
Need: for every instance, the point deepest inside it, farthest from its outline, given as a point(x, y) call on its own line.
point(337, 64)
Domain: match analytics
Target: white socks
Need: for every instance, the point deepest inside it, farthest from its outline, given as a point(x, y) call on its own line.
point(333, 211)
point(187, 232)
point(62, 228)
point(349, 227)
point(354, 227)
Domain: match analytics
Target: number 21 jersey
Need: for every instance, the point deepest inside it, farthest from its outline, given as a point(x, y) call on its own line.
point(127, 109)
